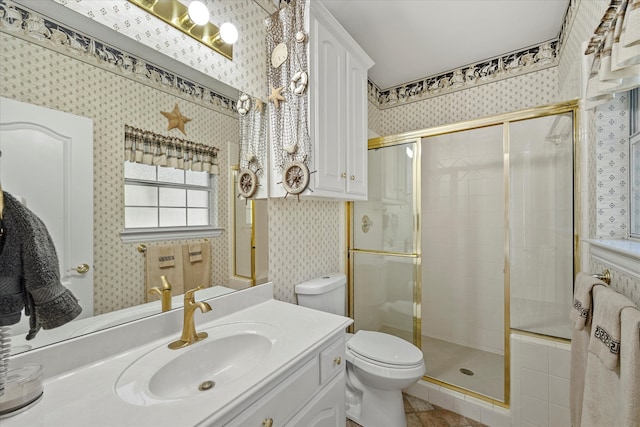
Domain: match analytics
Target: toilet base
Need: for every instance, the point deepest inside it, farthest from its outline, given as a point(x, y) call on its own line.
point(375, 408)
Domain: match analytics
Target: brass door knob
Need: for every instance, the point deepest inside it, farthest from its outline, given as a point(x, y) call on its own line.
point(82, 269)
point(267, 422)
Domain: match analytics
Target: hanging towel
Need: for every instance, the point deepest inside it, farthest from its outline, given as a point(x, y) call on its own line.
point(30, 273)
point(611, 396)
point(197, 272)
point(195, 252)
point(606, 329)
point(581, 316)
point(581, 310)
point(164, 260)
point(578, 369)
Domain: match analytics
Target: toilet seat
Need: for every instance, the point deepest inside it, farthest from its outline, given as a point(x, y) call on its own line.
point(385, 350)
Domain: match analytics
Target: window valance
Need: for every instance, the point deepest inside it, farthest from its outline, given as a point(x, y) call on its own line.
point(143, 146)
point(615, 48)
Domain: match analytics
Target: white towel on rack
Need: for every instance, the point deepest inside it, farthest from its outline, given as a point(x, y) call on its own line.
point(581, 311)
point(606, 326)
point(611, 396)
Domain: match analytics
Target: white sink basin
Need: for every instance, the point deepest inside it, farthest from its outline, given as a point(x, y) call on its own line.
point(230, 352)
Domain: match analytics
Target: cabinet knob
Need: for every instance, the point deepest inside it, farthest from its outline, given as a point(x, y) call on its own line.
point(344, 175)
point(337, 360)
point(267, 422)
point(353, 177)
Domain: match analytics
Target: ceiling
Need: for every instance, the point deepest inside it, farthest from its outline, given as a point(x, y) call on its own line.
point(413, 39)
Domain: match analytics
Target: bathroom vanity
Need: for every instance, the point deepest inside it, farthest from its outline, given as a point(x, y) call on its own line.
point(264, 363)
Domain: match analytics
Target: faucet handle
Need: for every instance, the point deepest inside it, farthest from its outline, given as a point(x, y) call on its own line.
point(188, 295)
point(166, 286)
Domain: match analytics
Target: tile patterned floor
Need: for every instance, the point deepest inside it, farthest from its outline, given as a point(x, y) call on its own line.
point(423, 414)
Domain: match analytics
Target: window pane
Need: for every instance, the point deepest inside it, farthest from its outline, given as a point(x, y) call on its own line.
point(140, 217)
point(198, 216)
point(173, 197)
point(197, 199)
point(139, 171)
point(139, 195)
point(173, 217)
point(171, 175)
point(198, 178)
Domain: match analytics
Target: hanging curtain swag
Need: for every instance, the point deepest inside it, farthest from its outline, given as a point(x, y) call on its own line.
point(143, 146)
point(615, 47)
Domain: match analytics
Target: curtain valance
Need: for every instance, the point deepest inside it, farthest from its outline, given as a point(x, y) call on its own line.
point(143, 146)
point(615, 47)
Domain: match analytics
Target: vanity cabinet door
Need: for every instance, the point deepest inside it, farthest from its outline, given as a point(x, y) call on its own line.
point(327, 409)
point(332, 360)
point(277, 406)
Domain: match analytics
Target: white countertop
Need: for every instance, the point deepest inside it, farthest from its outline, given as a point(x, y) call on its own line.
point(86, 396)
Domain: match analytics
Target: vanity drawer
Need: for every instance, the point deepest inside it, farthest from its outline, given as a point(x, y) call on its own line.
point(278, 405)
point(332, 360)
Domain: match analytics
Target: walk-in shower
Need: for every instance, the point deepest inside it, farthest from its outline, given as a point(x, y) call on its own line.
point(468, 234)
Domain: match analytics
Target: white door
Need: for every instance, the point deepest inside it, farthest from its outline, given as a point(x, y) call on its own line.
point(46, 159)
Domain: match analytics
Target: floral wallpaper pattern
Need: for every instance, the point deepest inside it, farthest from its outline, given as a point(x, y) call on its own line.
point(612, 168)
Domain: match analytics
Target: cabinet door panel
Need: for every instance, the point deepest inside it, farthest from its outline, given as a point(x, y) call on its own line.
point(356, 129)
point(328, 109)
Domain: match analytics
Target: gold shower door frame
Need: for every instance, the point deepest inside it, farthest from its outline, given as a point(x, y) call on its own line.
point(416, 137)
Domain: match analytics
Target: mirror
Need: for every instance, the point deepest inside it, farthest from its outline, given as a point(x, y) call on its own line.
point(69, 63)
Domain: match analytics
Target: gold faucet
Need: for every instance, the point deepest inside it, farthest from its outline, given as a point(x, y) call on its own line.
point(164, 293)
point(189, 334)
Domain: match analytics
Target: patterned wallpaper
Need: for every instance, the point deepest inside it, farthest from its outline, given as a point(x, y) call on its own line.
point(304, 242)
point(33, 74)
point(612, 168)
point(525, 91)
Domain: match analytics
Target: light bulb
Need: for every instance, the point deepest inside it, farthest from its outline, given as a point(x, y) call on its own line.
point(228, 33)
point(198, 12)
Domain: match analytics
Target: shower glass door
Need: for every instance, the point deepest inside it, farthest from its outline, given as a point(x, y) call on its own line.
point(384, 255)
point(463, 236)
point(541, 224)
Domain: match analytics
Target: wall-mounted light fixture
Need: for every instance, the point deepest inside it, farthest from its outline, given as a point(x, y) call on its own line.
point(193, 20)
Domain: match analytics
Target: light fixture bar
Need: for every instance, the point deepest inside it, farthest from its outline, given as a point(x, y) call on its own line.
point(176, 14)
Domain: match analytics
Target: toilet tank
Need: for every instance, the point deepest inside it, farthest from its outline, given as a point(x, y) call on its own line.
point(325, 293)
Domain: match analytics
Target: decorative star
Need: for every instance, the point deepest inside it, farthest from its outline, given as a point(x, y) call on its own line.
point(259, 105)
point(276, 96)
point(176, 119)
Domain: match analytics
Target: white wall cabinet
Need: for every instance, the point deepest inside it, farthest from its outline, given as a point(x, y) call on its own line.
point(337, 111)
point(338, 108)
point(312, 394)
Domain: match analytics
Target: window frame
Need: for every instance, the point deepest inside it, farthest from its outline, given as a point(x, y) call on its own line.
point(634, 169)
point(145, 234)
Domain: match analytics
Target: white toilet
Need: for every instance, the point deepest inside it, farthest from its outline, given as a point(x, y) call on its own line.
point(379, 365)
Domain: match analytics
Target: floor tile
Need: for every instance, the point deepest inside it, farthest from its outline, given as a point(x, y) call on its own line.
point(420, 413)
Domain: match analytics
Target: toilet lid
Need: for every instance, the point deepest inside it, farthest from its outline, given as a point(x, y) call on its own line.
point(385, 348)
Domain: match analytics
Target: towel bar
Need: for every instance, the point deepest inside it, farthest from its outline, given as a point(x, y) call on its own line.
point(605, 276)
point(142, 248)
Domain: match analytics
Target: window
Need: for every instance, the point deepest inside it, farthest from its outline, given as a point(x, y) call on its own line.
point(167, 202)
point(634, 160)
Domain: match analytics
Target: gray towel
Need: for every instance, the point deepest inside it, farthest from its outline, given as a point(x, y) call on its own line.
point(29, 273)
